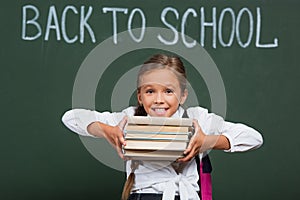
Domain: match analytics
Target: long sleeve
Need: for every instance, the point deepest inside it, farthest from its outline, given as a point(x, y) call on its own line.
point(240, 136)
point(77, 120)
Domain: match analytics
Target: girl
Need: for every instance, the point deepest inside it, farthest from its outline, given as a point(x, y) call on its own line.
point(161, 92)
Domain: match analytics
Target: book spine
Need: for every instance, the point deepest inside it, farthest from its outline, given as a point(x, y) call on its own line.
point(156, 133)
point(155, 145)
point(158, 139)
point(160, 121)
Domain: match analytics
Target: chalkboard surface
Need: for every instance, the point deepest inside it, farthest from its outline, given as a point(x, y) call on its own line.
point(44, 45)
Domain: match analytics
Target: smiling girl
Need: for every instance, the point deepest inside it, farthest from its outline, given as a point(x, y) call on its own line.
point(161, 92)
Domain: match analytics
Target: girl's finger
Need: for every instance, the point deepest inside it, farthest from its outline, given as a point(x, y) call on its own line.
point(117, 145)
point(196, 125)
point(190, 146)
point(188, 149)
point(122, 123)
point(121, 126)
point(188, 157)
point(122, 140)
point(119, 151)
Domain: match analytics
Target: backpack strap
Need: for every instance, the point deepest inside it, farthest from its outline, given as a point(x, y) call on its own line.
point(204, 169)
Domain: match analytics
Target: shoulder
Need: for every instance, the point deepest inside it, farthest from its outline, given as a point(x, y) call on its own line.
point(200, 112)
point(196, 112)
point(205, 118)
point(129, 111)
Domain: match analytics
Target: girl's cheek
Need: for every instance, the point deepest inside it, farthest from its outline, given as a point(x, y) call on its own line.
point(150, 99)
point(171, 98)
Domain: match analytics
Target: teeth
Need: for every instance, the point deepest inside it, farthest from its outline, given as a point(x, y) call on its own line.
point(159, 110)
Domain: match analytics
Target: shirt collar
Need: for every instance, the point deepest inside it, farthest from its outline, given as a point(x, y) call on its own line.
point(178, 113)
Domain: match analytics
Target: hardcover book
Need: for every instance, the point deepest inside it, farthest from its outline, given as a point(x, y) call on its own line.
point(156, 138)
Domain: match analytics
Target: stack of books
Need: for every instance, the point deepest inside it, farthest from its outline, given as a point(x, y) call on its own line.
point(156, 138)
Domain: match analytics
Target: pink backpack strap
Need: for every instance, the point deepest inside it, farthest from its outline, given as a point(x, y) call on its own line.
point(204, 169)
point(205, 182)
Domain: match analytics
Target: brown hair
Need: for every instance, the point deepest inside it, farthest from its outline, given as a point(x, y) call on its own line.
point(161, 61)
point(158, 61)
point(130, 180)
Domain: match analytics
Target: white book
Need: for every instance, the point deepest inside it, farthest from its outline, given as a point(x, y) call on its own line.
point(165, 121)
point(153, 155)
point(131, 135)
point(158, 128)
point(156, 145)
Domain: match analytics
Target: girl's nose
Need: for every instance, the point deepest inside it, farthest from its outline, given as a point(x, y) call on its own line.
point(159, 98)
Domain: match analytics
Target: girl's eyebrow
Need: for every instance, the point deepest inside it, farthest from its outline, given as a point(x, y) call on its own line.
point(164, 85)
point(146, 85)
point(169, 85)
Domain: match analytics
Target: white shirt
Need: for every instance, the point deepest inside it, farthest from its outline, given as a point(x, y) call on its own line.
point(160, 177)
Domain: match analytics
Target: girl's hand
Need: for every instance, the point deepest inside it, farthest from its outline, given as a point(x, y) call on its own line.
point(195, 144)
point(113, 134)
point(201, 142)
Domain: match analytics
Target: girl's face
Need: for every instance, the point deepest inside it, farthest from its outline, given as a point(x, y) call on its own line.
point(160, 93)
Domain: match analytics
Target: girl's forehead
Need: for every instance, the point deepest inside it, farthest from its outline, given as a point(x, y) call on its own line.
point(164, 77)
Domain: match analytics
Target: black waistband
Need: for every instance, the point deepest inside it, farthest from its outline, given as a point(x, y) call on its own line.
point(147, 196)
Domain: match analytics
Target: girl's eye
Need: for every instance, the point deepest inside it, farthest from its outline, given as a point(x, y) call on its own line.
point(169, 91)
point(150, 91)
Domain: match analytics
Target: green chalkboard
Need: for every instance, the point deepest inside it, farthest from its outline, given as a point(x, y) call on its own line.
point(44, 45)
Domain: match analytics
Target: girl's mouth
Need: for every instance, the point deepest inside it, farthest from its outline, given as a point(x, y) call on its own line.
point(160, 111)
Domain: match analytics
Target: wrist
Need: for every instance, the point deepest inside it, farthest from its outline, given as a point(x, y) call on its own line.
point(208, 142)
point(219, 142)
point(98, 129)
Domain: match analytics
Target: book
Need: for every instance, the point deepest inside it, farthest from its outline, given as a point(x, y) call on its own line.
point(153, 155)
point(165, 121)
point(132, 135)
point(158, 128)
point(156, 138)
point(172, 145)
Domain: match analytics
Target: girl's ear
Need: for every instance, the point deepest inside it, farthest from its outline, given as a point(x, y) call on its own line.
point(183, 96)
point(139, 98)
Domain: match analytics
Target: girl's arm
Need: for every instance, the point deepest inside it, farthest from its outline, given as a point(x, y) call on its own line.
point(113, 134)
point(212, 132)
point(95, 124)
point(201, 142)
